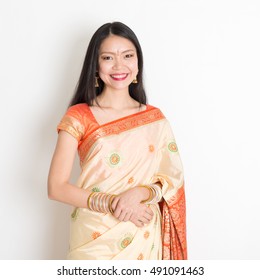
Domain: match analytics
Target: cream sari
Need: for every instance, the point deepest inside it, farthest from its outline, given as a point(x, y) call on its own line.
point(134, 150)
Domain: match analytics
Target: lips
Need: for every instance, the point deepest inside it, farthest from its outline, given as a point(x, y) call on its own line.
point(119, 77)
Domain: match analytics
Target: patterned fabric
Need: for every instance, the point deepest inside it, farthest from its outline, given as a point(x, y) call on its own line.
point(135, 150)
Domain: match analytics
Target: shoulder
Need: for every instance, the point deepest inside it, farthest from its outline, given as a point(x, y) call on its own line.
point(76, 120)
point(78, 109)
point(81, 112)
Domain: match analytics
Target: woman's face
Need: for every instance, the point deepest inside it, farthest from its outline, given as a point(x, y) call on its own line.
point(118, 62)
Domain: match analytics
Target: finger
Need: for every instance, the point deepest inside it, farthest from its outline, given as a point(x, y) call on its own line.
point(141, 218)
point(144, 220)
point(148, 215)
point(149, 211)
point(117, 212)
point(147, 218)
point(127, 216)
point(114, 202)
point(139, 223)
point(122, 215)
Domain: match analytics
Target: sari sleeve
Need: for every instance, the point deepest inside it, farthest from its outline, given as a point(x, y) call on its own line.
point(173, 209)
point(72, 122)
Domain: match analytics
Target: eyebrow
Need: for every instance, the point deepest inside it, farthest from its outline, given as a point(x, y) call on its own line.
point(130, 50)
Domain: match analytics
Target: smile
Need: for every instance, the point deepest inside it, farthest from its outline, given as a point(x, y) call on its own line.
point(119, 77)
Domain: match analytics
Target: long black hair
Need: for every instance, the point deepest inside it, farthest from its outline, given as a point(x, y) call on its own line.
point(86, 92)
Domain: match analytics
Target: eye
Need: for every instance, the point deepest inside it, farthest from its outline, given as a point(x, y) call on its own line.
point(106, 57)
point(129, 55)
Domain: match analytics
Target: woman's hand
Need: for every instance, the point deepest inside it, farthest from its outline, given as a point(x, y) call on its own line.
point(127, 206)
point(142, 216)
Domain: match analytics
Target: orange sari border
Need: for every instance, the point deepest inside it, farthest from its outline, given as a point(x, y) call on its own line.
point(174, 227)
point(148, 116)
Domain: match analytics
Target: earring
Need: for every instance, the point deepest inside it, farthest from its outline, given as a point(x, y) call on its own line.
point(135, 81)
point(96, 82)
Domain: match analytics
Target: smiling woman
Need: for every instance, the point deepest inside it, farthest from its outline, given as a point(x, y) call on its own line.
point(129, 201)
point(118, 64)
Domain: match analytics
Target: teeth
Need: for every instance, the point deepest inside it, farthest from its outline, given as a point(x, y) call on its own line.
point(119, 76)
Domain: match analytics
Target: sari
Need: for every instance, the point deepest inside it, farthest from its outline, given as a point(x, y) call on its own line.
point(138, 149)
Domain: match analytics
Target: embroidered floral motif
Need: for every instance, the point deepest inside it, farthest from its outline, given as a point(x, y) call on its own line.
point(140, 257)
point(74, 214)
point(114, 159)
point(125, 241)
point(95, 189)
point(151, 148)
point(146, 234)
point(130, 180)
point(172, 147)
point(96, 234)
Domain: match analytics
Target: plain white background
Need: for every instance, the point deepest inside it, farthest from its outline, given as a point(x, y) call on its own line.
point(202, 68)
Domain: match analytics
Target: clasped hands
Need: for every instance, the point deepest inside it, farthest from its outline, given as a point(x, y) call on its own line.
point(128, 206)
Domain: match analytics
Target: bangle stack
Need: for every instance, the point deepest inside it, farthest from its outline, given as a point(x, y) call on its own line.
point(100, 202)
point(155, 194)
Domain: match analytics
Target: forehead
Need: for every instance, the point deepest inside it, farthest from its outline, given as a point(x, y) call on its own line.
point(116, 44)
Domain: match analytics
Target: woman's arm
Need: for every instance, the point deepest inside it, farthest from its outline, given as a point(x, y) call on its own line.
point(127, 205)
point(59, 187)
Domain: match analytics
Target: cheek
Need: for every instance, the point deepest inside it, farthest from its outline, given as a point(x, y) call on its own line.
point(102, 68)
point(103, 76)
point(103, 71)
point(134, 66)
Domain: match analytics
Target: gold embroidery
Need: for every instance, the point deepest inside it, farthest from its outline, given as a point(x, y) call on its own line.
point(174, 235)
point(72, 126)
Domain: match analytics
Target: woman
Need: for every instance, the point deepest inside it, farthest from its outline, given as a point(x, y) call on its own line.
point(129, 200)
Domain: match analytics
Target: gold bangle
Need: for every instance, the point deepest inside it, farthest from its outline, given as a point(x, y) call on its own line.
point(88, 201)
point(157, 193)
point(150, 193)
point(110, 203)
point(100, 202)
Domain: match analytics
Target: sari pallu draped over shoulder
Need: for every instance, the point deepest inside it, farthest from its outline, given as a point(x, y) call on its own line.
point(135, 150)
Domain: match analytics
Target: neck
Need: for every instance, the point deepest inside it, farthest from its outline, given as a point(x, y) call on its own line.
point(117, 100)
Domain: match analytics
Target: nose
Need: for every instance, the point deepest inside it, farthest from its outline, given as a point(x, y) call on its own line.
point(118, 63)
